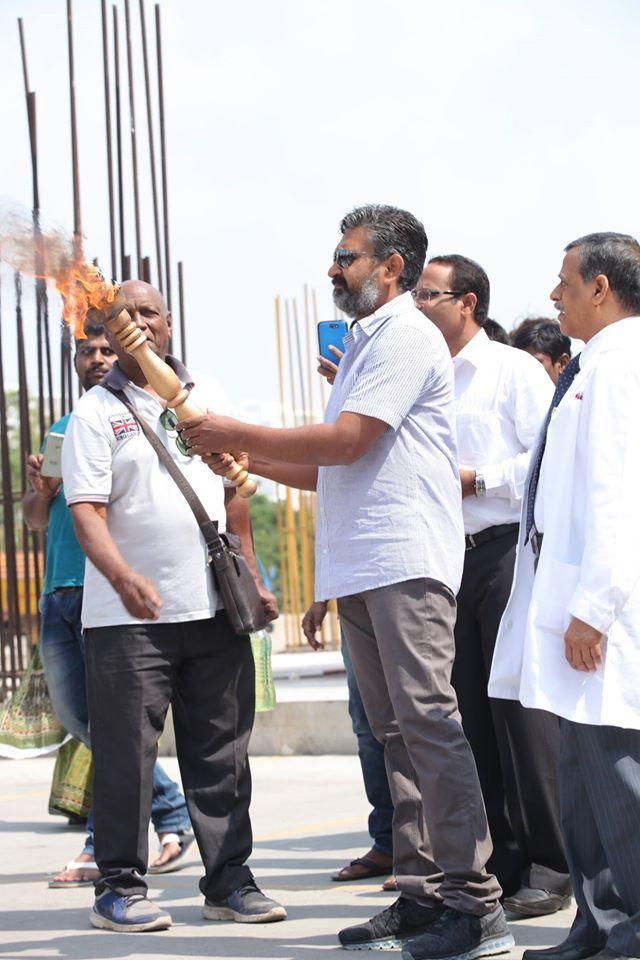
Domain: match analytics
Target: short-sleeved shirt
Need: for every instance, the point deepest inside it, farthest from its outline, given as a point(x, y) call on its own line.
point(64, 566)
point(106, 459)
point(395, 514)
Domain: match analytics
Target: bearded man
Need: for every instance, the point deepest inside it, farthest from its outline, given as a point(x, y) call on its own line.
point(389, 546)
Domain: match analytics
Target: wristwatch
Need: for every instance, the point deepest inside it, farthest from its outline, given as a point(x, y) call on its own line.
point(480, 485)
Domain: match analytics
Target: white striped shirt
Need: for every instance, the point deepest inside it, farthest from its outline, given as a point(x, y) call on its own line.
point(395, 514)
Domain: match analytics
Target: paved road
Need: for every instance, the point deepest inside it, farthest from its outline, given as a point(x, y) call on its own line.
point(308, 815)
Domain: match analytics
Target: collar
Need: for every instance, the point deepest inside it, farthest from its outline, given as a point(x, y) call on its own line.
point(621, 333)
point(118, 380)
point(391, 308)
point(473, 351)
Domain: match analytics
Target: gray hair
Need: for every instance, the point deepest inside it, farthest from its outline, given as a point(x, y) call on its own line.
point(617, 257)
point(392, 231)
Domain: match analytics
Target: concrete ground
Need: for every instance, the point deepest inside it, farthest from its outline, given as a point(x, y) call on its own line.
point(309, 817)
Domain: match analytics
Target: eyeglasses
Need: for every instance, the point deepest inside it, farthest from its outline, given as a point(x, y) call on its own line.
point(169, 421)
point(344, 258)
point(424, 295)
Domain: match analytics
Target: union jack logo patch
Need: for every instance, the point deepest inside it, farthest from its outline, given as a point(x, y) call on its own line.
point(123, 425)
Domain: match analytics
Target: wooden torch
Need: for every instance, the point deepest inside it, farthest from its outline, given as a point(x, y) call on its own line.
point(166, 383)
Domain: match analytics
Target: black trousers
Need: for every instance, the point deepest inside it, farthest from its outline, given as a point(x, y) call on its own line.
point(516, 749)
point(600, 802)
point(206, 672)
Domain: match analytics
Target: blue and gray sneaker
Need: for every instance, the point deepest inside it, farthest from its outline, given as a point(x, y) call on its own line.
point(247, 904)
point(131, 914)
point(462, 936)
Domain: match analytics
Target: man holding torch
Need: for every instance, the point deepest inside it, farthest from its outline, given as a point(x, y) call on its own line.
point(389, 546)
point(155, 635)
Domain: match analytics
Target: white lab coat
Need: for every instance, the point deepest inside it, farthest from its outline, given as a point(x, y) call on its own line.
point(590, 559)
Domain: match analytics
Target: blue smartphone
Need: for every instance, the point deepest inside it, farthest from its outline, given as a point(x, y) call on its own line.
point(331, 333)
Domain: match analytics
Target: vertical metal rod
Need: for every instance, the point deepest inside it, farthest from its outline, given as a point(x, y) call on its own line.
point(30, 98)
point(303, 392)
point(25, 449)
point(75, 168)
point(309, 342)
point(107, 117)
point(163, 160)
point(116, 68)
point(134, 148)
point(183, 327)
point(14, 630)
point(314, 300)
point(47, 345)
point(284, 556)
point(152, 149)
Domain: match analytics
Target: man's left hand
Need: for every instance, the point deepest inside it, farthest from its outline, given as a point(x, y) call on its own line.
point(210, 433)
point(269, 602)
point(583, 646)
point(467, 482)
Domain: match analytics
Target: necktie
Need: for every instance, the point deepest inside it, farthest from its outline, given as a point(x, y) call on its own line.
point(565, 380)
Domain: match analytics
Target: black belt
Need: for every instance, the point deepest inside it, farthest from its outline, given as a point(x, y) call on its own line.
point(472, 540)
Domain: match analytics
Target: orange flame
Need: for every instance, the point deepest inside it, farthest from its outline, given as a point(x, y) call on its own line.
point(82, 288)
point(51, 256)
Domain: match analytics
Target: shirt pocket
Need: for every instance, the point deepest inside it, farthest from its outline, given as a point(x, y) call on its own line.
point(555, 585)
point(479, 437)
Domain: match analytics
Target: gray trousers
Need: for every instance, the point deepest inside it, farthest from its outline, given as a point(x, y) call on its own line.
point(401, 643)
point(600, 806)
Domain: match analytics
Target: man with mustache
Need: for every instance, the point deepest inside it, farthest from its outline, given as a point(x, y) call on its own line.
point(155, 635)
point(389, 546)
point(569, 640)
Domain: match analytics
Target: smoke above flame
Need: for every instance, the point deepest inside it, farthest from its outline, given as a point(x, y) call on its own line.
point(50, 255)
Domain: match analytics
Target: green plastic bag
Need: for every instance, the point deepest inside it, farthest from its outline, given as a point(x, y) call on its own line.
point(265, 689)
point(28, 725)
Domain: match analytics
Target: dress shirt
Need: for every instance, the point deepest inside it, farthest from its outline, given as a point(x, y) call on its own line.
point(395, 513)
point(589, 565)
point(502, 397)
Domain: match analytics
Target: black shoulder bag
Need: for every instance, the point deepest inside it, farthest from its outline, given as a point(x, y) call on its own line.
point(231, 573)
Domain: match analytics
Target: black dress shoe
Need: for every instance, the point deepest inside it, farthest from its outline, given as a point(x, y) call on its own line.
point(564, 951)
point(528, 902)
point(610, 955)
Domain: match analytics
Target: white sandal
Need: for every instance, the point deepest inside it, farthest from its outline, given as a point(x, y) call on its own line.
point(182, 840)
point(75, 865)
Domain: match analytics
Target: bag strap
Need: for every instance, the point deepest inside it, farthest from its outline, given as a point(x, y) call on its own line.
point(207, 526)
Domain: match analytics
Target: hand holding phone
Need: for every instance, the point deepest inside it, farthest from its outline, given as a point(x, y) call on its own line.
point(331, 333)
point(327, 368)
point(52, 461)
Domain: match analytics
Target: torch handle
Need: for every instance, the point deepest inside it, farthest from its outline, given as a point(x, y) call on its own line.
point(166, 383)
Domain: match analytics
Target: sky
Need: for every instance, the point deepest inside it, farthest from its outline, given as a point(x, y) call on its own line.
point(508, 127)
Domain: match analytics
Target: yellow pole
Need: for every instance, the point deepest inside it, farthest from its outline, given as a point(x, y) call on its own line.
point(292, 539)
point(282, 540)
point(282, 560)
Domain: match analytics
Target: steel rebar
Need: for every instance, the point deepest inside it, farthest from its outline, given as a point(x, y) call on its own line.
point(163, 160)
point(134, 147)
point(152, 150)
point(109, 141)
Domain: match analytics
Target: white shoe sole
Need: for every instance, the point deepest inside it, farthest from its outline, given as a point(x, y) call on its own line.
point(376, 945)
point(226, 913)
point(490, 948)
point(163, 922)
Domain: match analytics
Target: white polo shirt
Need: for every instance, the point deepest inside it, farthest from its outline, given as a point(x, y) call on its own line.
point(107, 459)
point(395, 514)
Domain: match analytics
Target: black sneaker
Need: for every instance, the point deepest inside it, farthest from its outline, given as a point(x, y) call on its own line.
point(403, 919)
point(248, 904)
point(462, 936)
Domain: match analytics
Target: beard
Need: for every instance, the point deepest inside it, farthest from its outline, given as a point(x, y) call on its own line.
point(358, 303)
